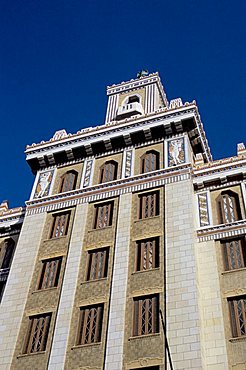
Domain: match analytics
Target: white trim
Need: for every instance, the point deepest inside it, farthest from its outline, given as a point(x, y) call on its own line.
point(243, 187)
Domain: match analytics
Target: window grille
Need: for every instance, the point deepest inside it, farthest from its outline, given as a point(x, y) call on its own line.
point(234, 253)
point(146, 319)
point(50, 273)
point(237, 308)
point(228, 207)
point(103, 215)
point(108, 172)
point(148, 205)
point(37, 334)
point(60, 225)
point(97, 264)
point(68, 181)
point(90, 325)
point(147, 256)
point(6, 253)
point(150, 161)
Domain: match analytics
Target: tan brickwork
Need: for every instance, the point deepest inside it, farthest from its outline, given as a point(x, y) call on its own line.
point(91, 292)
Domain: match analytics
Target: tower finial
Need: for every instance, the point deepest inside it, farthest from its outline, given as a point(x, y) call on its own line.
point(142, 73)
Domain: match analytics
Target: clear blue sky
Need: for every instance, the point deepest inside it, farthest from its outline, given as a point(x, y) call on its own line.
point(58, 56)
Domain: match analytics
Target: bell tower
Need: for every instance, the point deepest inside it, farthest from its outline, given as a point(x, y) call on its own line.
point(137, 97)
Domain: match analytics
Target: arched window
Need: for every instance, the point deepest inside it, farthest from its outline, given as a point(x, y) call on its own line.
point(68, 181)
point(133, 99)
point(6, 253)
point(108, 172)
point(150, 161)
point(228, 207)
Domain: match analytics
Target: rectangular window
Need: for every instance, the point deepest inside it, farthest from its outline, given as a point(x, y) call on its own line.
point(237, 308)
point(50, 273)
point(97, 264)
point(147, 254)
point(234, 253)
point(103, 215)
point(37, 334)
point(146, 315)
point(90, 325)
point(149, 205)
point(60, 225)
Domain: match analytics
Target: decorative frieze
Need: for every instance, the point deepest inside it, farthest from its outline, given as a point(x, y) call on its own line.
point(128, 163)
point(88, 171)
point(43, 184)
point(176, 151)
point(222, 231)
point(203, 209)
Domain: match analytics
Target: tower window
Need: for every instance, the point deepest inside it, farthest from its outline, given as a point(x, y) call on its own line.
point(60, 225)
point(50, 273)
point(150, 161)
point(234, 253)
point(149, 205)
point(97, 264)
point(6, 253)
point(146, 319)
point(103, 215)
point(133, 99)
point(147, 254)
point(37, 333)
point(237, 308)
point(228, 207)
point(90, 324)
point(68, 181)
point(108, 172)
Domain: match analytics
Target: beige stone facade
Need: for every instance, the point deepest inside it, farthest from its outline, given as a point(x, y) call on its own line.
point(129, 221)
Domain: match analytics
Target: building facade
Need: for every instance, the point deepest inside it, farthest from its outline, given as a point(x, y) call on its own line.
point(128, 221)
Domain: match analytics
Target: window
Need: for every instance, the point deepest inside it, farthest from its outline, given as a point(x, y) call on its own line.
point(146, 319)
point(149, 205)
point(103, 215)
point(108, 172)
point(68, 181)
point(60, 225)
point(237, 307)
point(37, 334)
point(97, 264)
point(147, 256)
point(234, 253)
point(6, 253)
point(50, 273)
point(133, 99)
point(150, 161)
point(228, 207)
point(90, 325)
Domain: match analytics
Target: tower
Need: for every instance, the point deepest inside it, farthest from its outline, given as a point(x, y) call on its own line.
point(126, 220)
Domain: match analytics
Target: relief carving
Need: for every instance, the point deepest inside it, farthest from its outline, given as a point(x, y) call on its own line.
point(44, 183)
point(176, 154)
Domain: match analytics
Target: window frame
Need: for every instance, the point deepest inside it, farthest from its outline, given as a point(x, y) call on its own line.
point(144, 204)
point(32, 325)
point(234, 316)
point(86, 322)
point(63, 186)
point(104, 171)
point(100, 273)
point(224, 200)
point(55, 222)
point(138, 303)
point(234, 253)
point(98, 219)
point(44, 274)
point(155, 167)
point(7, 249)
point(141, 259)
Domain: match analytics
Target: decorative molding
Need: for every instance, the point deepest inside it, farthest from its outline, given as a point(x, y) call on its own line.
point(107, 190)
point(128, 163)
point(203, 209)
point(144, 362)
point(146, 291)
point(87, 175)
point(222, 231)
point(234, 292)
point(92, 300)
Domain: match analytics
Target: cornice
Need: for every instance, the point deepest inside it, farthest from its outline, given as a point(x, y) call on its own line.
point(219, 165)
point(109, 190)
point(222, 231)
point(99, 132)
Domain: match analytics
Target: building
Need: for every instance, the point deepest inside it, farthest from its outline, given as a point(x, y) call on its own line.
point(125, 220)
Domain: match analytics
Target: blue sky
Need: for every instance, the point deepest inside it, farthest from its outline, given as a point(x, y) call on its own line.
point(57, 57)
